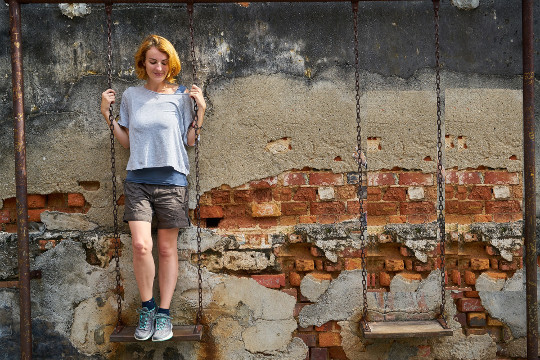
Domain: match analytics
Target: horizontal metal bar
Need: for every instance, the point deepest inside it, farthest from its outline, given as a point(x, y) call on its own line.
point(188, 1)
point(9, 284)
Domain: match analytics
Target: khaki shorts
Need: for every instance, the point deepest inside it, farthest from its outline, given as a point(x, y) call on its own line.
point(169, 203)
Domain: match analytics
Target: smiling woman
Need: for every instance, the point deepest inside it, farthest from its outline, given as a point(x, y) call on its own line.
point(156, 123)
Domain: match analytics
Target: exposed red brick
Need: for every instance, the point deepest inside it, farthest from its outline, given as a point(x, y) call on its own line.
point(471, 294)
point(220, 197)
point(327, 326)
point(377, 220)
point(411, 277)
point(456, 277)
point(507, 266)
point(332, 208)
point(321, 178)
point(122, 200)
point(264, 183)
point(381, 179)
point(294, 208)
point(294, 278)
point(418, 179)
point(384, 279)
point(405, 251)
point(482, 218)
point(306, 219)
point(481, 193)
point(76, 200)
point(305, 194)
point(262, 195)
point(394, 265)
point(353, 263)
point(395, 194)
point(424, 351)
point(475, 331)
point(242, 196)
point(265, 210)
point(298, 308)
point(503, 218)
point(321, 276)
point(270, 281)
point(479, 264)
point(451, 177)
point(374, 193)
point(318, 354)
point(309, 339)
point(235, 210)
point(469, 177)
point(413, 208)
point(282, 194)
point(476, 319)
point(493, 322)
point(35, 214)
point(288, 220)
point(294, 179)
point(449, 191)
point(56, 200)
point(464, 207)
point(211, 212)
point(346, 192)
point(10, 203)
point(304, 265)
point(5, 216)
point(470, 305)
point(501, 207)
point(501, 178)
point(337, 353)
point(397, 219)
point(328, 339)
point(291, 291)
point(36, 201)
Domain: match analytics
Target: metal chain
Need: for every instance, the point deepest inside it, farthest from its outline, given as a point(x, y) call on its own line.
point(441, 233)
point(108, 9)
point(197, 178)
point(361, 164)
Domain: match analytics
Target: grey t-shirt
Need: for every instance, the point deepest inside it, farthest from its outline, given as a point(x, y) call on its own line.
point(158, 125)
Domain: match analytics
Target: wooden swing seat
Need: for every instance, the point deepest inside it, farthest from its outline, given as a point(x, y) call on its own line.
point(180, 333)
point(404, 329)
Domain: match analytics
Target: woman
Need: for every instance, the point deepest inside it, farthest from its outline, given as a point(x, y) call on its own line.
point(156, 123)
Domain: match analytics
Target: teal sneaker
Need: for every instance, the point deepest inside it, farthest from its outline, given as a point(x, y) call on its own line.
point(163, 328)
point(146, 326)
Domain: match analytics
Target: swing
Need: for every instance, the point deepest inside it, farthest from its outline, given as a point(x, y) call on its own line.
point(401, 329)
point(123, 333)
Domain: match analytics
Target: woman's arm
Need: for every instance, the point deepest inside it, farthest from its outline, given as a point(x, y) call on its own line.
point(120, 132)
point(196, 93)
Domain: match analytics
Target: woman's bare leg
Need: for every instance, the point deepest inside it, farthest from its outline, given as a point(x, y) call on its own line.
point(143, 261)
point(168, 265)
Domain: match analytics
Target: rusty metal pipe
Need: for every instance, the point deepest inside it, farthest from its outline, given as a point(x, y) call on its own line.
point(20, 179)
point(529, 179)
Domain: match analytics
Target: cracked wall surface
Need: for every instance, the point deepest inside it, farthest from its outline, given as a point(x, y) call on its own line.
point(281, 248)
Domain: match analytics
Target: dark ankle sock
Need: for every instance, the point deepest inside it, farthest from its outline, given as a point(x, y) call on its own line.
point(150, 304)
point(164, 311)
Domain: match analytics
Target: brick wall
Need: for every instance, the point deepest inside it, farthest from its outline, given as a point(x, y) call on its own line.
point(261, 208)
point(311, 196)
point(38, 203)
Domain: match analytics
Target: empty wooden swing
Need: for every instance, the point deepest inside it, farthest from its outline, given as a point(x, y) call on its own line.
point(401, 329)
point(123, 333)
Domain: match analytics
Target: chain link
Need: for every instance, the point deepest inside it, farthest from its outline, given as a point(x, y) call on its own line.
point(441, 233)
point(108, 9)
point(362, 166)
point(197, 177)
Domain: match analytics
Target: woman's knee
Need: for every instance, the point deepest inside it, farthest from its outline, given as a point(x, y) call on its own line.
point(141, 246)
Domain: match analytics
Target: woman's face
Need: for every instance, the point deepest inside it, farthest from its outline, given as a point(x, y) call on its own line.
point(156, 64)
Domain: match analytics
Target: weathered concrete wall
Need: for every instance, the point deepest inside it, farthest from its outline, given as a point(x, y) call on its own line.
point(281, 249)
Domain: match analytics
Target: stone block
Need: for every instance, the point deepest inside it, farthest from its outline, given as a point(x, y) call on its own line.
point(326, 193)
point(416, 193)
point(501, 192)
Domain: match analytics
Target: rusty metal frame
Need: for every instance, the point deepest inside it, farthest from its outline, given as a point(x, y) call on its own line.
point(21, 176)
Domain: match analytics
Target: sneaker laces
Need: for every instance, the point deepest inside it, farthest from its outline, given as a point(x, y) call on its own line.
point(162, 320)
point(144, 315)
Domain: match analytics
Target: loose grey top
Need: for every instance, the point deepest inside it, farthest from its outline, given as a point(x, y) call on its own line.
point(158, 125)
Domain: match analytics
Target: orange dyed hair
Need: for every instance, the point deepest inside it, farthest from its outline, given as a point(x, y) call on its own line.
point(165, 47)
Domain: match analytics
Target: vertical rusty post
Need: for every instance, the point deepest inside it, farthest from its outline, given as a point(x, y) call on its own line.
point(529, 179)
point(20, 178)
